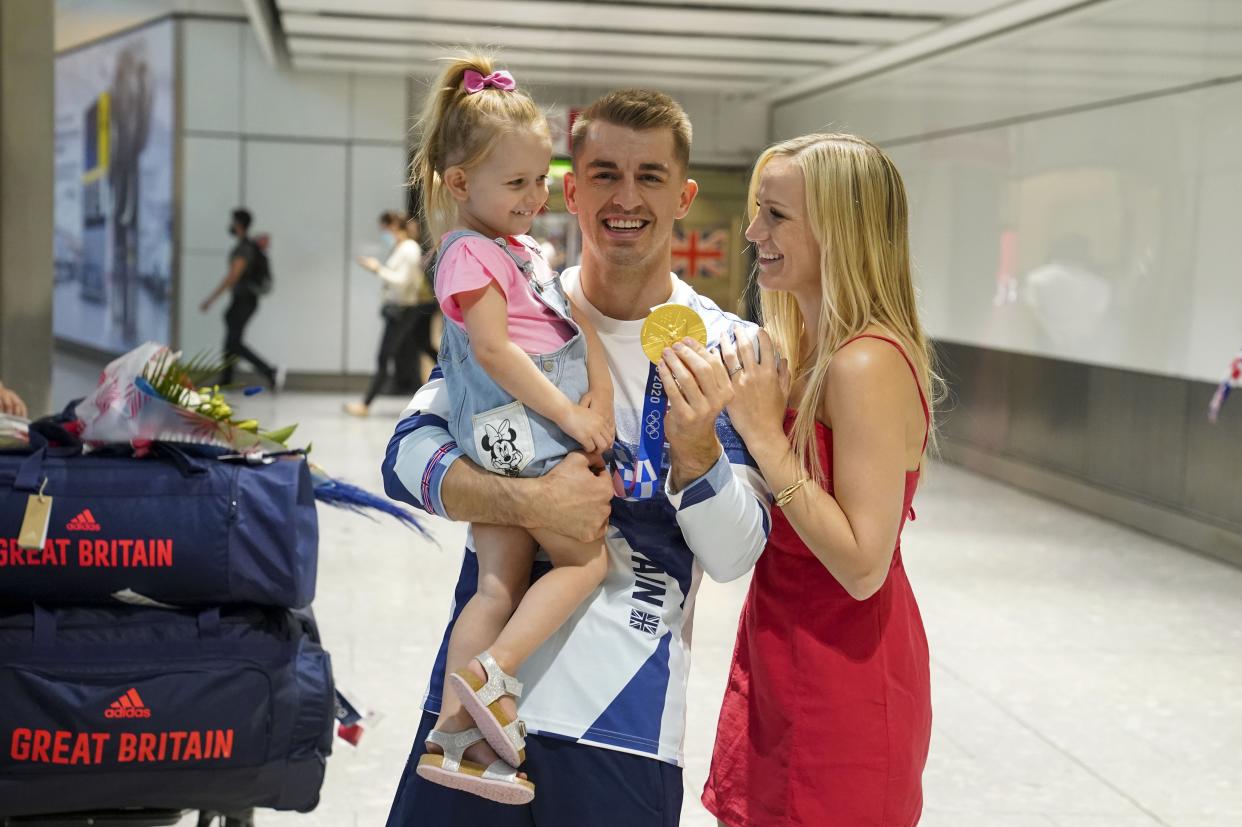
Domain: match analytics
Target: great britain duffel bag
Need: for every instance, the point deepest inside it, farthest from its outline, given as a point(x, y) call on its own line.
point(220, 709)
point(178, 528)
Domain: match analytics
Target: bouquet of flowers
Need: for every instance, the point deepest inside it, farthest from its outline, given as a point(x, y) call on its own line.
point(151, 395)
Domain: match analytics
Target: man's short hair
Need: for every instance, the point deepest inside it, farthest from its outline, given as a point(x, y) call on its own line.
point(242, 217)
point(638, 109)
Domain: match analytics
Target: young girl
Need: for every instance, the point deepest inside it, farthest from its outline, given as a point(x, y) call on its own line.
point(527, 384)
point(827, 717)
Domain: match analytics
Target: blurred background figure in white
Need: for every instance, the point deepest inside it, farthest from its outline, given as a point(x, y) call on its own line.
point(407, 302)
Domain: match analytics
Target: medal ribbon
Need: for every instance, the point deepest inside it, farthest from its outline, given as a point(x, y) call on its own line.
point(641, 484)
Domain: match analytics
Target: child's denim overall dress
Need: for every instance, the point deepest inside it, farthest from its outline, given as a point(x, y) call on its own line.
point(494, 429)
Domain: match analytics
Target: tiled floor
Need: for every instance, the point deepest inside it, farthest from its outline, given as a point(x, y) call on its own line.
point(1084, 675)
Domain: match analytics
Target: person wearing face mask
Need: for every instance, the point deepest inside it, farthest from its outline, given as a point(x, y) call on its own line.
point(248, 278)
point(405, 292)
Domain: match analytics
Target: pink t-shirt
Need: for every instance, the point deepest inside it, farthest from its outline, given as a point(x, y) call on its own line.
point(474, 261)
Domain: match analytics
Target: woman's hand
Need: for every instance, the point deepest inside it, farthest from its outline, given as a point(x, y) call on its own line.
point(369, 263)
point(760, 386)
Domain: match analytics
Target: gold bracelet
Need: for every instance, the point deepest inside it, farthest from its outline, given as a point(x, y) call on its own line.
point(786, 494)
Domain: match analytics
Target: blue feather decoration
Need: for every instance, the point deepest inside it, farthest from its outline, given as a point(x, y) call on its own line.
point(360, 501)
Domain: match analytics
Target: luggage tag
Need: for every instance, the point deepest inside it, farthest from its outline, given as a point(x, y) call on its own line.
point(34, 525)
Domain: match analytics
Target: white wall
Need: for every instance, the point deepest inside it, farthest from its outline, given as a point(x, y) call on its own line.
point(1103, 130)
point(316, 158)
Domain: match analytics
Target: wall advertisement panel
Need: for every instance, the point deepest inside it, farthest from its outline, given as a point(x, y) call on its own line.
point(113, 245)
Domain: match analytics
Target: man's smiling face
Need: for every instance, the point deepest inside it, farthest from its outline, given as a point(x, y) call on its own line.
point(627, 189)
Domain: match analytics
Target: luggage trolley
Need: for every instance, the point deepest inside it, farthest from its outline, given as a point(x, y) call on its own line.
point(132, 818)
point(225, 702)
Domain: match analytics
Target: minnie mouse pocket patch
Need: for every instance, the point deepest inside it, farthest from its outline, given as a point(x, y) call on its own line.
point(503, 439)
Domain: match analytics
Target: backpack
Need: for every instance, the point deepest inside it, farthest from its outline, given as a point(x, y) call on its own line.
point(258, 276)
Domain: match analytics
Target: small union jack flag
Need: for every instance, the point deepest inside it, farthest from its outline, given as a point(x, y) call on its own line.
point(644, 622)
point(700, 254)
point(1233, 379)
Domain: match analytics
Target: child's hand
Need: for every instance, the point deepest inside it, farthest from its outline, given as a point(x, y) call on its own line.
point(601, 403)
point(592, 430)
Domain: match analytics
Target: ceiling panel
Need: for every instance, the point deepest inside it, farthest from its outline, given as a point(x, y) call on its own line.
point(535, 76)
point(450, 35)
point(772, 50)
point(427, 54)
point(912, 8)
point(635, 18)
point(1108, 53)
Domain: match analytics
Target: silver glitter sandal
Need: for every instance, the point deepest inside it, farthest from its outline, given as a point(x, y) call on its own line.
point(498, 782)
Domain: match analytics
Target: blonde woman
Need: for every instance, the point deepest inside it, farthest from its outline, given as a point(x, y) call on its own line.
point(827, 716)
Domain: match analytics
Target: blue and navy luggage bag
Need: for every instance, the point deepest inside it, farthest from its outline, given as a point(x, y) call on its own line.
point(219, 709)
point(178, 528)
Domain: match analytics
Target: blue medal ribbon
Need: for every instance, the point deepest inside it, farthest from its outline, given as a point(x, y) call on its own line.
point(640, 483)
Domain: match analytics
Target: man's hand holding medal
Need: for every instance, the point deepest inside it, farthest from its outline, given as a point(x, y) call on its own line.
point(696, 383)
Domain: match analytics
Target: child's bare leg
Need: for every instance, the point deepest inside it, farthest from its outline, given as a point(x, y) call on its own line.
point(505, 555)
point(578, 569)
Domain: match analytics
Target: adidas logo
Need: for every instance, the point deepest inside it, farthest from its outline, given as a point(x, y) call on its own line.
point(83, 522)
point(129, 705)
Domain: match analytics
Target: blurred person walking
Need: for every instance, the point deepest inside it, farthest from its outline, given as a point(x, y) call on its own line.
point(408, 303)
point(249, 277)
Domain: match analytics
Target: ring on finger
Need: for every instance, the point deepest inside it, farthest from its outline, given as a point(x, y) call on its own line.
point(734, 370)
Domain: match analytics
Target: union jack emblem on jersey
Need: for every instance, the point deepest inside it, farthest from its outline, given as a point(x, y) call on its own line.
point(700, 254)
point(644, 622)
point(624, 483)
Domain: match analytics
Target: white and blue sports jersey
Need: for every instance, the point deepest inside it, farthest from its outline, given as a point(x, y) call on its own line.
point(614, 675)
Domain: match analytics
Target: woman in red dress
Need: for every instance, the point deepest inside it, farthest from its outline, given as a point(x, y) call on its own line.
point(827, 716)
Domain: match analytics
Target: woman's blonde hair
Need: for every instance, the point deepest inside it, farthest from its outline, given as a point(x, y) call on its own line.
point(461, 129)
point(856, 207)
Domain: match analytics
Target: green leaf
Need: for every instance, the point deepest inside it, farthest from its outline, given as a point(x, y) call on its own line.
point(282, 435)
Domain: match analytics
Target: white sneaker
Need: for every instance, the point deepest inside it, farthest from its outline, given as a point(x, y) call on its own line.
point(282, 373)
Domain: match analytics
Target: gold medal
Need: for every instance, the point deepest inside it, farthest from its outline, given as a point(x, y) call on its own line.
point(668, 324)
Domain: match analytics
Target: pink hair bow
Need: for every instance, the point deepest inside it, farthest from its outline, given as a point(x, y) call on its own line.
point(476, 82)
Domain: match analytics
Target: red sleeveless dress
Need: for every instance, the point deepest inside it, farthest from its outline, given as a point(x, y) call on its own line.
point(827, 715)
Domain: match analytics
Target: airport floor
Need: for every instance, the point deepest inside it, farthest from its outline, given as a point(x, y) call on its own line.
point(1084, 675)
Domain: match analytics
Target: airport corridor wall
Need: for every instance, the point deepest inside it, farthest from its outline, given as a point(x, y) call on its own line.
point(1074, 210)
